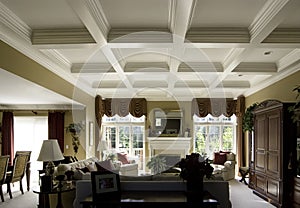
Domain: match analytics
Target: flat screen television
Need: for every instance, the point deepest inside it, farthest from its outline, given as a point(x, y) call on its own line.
point(168, 124)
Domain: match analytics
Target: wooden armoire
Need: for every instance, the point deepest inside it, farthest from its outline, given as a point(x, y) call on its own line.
point(274, 144)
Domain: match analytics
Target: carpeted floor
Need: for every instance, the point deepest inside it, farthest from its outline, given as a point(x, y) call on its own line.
point(240, 196)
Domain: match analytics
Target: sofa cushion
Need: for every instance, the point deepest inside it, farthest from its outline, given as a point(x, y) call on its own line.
point(219, 158)
point(84, 169)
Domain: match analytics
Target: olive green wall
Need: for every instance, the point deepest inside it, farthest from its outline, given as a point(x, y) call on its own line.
point(15, 62)
point(281, 90)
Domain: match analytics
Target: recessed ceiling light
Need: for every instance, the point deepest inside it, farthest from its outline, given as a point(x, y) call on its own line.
point(267, 53)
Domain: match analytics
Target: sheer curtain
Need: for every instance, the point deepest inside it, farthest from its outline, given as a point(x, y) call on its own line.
point(30, 131)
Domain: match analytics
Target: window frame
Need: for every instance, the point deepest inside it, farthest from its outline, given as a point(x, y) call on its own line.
point(221, 122)
point(117, 123)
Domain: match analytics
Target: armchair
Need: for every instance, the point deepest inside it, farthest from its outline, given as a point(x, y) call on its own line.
point(3, 168)
point(224, 165)
point(17, 173)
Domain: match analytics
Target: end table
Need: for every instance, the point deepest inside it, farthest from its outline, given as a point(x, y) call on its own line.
point(44, 195)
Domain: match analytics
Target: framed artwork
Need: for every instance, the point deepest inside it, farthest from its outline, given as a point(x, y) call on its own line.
point(91, 133)
point(105, 185)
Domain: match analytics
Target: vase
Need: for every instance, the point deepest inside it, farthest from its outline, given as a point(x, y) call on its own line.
point(194, 190)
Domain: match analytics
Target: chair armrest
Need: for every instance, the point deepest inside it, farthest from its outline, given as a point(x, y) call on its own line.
point(229, 164)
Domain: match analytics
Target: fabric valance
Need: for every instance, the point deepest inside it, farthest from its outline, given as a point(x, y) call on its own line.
point(214, 106)
point(137, 107)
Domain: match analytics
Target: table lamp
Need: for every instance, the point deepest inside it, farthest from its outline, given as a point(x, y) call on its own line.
point(102, 146)
point(50, 152)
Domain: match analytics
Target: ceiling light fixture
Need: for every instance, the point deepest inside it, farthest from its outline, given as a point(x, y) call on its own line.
point(267, 53)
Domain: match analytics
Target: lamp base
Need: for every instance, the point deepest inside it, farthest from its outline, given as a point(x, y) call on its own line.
point(50, 168)
point(46, 183)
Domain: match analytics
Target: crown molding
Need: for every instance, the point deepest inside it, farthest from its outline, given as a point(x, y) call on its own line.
point(146, 67)
point(200, 67)
point(139, 35)
point(43, 107)
point(14, 23)
point(289, 59)
point(263, 19)
point(61, 36)
point(218, 35)
point(92, 68)
point(58, 58)
point(98, 14)
point(256, 68)
point(284, 35)
point(234, 84)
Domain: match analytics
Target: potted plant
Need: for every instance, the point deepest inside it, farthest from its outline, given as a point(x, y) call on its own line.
point(248, 118)
point(74, 129)
point(157, 164)
point(295, 109)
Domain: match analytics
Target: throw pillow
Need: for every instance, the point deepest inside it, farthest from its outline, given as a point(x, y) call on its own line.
point(105, 165)
point(219, 158)
point(230, 157)
point(123, 158)
point(92, 167)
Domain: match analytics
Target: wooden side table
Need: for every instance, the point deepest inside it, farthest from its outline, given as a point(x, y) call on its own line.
point(244, 171)
point(44, 195)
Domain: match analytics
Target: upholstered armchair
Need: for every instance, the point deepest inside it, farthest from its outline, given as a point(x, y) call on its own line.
point(3, 168)
point(224, 165)
point(17, 173)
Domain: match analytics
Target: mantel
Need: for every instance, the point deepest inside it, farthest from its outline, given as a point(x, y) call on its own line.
point(169, 145)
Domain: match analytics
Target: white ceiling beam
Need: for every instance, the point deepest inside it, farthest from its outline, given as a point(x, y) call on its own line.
point(91, 17)
point(269, 17)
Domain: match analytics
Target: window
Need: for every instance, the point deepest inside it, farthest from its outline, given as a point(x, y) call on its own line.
point(213, 134)
point(126, 134)
point(29, 133)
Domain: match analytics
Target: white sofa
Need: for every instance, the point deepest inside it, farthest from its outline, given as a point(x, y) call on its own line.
point(219, 189)
point(124, 169)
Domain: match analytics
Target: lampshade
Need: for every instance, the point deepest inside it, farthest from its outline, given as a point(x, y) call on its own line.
point(102, 145)
point(50, 151)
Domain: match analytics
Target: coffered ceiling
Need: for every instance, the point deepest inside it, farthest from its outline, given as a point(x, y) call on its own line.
point(159, 49)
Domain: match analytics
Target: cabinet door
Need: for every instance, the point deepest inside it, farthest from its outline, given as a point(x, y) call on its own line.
point(260, 135)
point(273, 143)
point(273, 189)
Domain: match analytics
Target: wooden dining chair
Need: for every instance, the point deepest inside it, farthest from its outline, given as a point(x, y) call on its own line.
point(3, 169)
point(17, 173)
point(28, 165)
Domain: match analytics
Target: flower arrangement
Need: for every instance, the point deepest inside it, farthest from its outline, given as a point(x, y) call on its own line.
point(192, 169)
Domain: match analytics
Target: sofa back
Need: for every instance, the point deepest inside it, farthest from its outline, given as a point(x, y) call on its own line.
point(219, 189)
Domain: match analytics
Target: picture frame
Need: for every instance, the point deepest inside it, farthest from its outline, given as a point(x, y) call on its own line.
point(91, 133)
point(105, 186)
